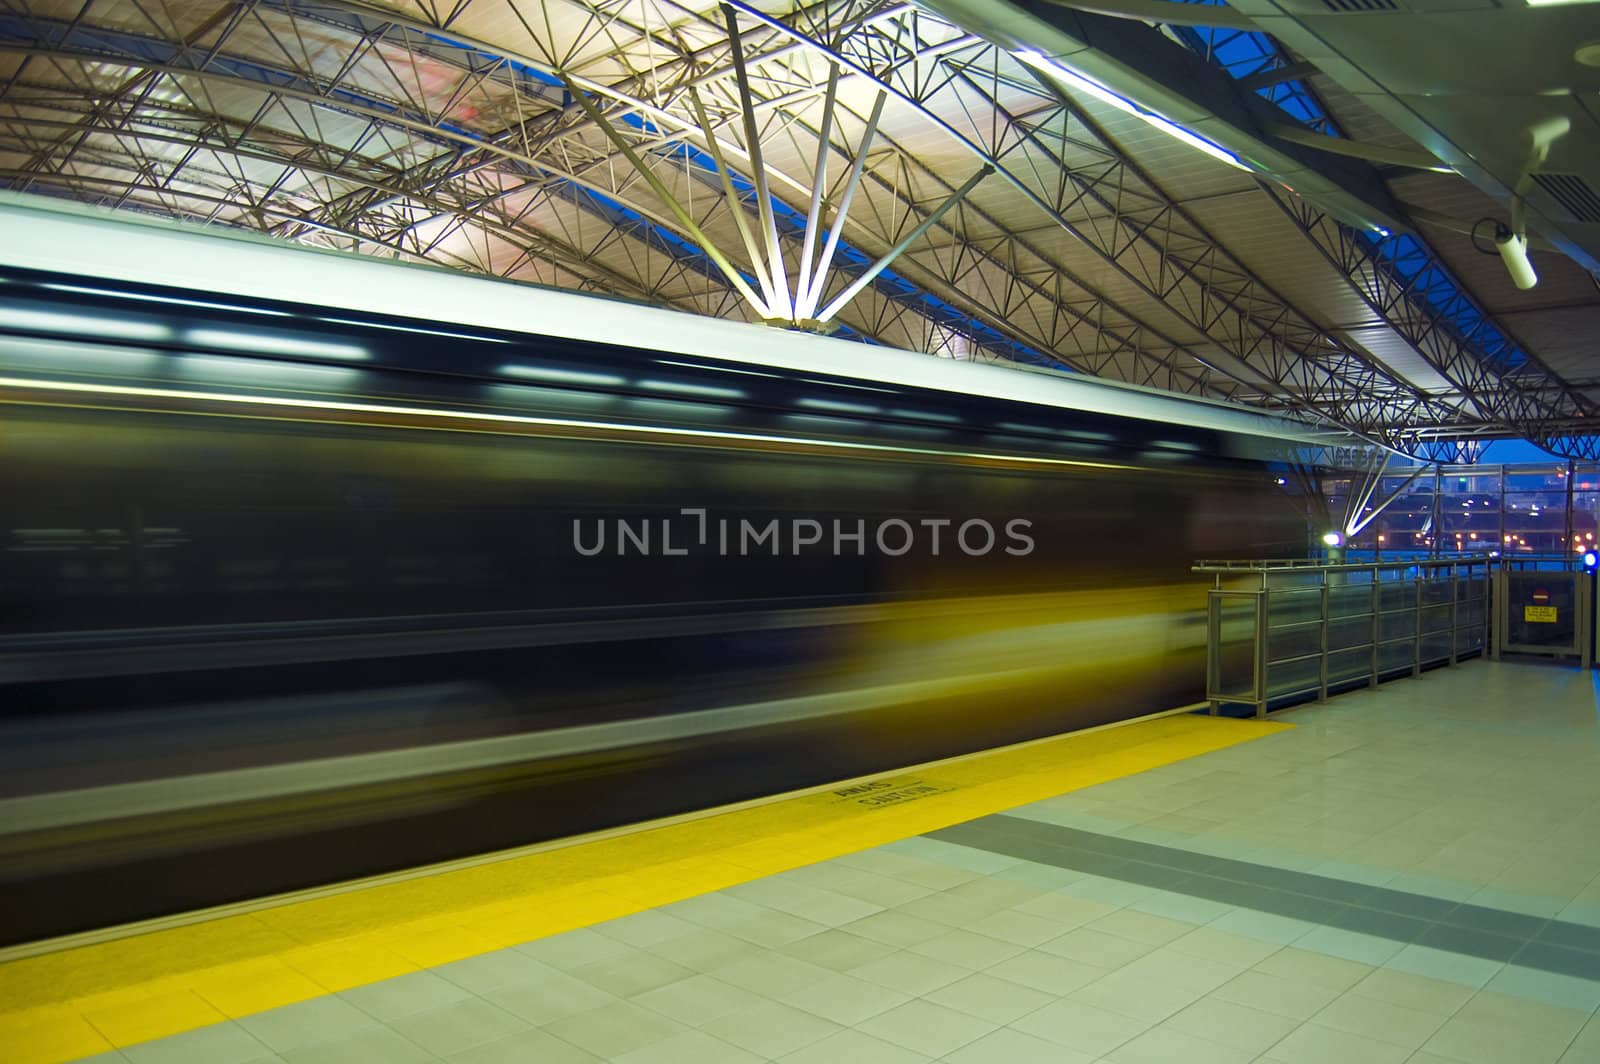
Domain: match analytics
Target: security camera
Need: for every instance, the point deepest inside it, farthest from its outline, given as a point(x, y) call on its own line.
point(1514, 253)
point(1512, 242)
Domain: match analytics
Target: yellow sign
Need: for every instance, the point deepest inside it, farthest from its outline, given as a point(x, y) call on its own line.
point(1539, 614)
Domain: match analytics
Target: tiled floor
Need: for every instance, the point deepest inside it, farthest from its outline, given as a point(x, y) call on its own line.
point(1411, 874)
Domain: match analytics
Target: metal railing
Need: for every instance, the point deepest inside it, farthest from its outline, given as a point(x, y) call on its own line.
point(1279, 631)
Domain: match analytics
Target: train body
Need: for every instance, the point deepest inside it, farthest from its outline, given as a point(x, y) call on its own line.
point(511, 564)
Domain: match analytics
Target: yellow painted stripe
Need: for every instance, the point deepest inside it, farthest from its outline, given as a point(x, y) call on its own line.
point(78, 1001)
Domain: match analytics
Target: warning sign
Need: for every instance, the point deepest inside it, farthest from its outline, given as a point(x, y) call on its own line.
point(1539, 615)
point(1540, 596)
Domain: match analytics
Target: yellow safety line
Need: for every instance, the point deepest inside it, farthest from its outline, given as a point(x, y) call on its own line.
point(79, 1001)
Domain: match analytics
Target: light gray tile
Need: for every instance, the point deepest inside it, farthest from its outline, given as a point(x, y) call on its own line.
point(1162, 1045)
point(853, 1047)
point(306, 1023)
point(219, 1043)
point(489, 971)
point(926, 1028)
point(967, 949)
point(531, 1046)
point(895, 928)
point(615, 1029)
point(989, 998)
point(1008, 1046)
point(1229, 1024)
point(1081, 1027)
point(1047, 972)
point(372, 1045)
point(458, 1025)
point(837, 950)
point(388, 999)
point(546, 1000)
point(844, 999)
point(574, 949)
point(690, 1047)
point(697, 1000)
point(910, 973)
point(772, 1029)
point(630, 975)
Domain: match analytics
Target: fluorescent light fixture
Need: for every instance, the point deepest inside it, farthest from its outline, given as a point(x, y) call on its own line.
point(856, 387)
point(81, 324)
point(270, 344)
point(562, 376)
point(1054, 68)
point(707, 390)
point(925, 415)
point(415, 329)
point(174, 300)
point(487, 418)
point(251, 369)
point(1558, 3)
point(834, 404)
point(718, 369)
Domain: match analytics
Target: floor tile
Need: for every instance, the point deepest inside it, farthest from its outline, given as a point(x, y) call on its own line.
point(1008, 1046)
point(910, 973)
point(524, 1046)
point(927, 1028)
point(844, 999)
point(1295, 999)
point(1294, 962)
point(220, 1043)
point(771, 1029)
point(372, 1045)
point(306, 1023)
point(1230, 1024)
point(854, 1047)
point(1396, 1024)
point(1099, 948)
point(697, 1000)
point(1312, 1043)
point(990, 998)
point(837, 950)
point(458, 1025)
point(549, 999)
point(1085, 1028)
point(689, 1047)
point(1162, 1045)
point(614, 1029)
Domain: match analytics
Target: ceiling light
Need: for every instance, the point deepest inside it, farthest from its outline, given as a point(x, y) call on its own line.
point(1071, 78)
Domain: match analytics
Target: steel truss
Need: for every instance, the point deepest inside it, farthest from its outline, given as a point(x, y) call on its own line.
point(385, 128)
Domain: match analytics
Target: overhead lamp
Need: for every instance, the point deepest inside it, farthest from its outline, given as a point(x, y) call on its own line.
point(1332, 539)
point(1054, 68)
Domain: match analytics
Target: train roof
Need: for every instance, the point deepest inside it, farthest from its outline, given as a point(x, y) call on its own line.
point(53, 235)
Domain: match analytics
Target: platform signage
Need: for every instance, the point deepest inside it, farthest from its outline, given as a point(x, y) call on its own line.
point(1539, 615)
point(1540, 596)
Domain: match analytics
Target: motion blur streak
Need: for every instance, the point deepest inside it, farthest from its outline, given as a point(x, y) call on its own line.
point(271, 619)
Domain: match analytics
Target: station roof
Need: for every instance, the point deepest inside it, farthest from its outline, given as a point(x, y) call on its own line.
point(1151, 199)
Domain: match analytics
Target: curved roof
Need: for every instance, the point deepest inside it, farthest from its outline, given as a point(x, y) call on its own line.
point(656, 149)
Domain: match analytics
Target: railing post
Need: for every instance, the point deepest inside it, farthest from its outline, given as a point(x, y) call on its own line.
point(1416, 622)
point(1376, 600)
point(1261, 647)
point(1455, 593)
point(1322, 664)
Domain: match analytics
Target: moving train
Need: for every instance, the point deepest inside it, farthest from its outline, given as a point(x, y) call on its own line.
point(314, 566)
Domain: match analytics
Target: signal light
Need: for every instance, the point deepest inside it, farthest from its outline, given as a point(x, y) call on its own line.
point(1590, 559)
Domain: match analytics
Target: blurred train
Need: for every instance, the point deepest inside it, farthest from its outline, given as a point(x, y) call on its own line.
point(314, 566)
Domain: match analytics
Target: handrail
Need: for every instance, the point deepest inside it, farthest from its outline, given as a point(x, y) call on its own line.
point(1440, 607)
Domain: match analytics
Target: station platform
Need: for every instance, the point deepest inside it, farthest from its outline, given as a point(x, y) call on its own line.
point(1407, 874)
